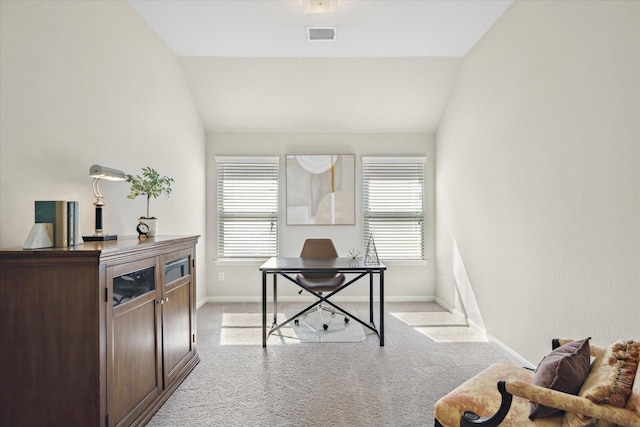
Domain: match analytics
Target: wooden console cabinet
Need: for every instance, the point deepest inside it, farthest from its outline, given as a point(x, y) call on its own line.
point(99, 334)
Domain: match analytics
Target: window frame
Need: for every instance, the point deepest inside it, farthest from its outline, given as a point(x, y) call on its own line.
point(407, 250)
point(226, 217)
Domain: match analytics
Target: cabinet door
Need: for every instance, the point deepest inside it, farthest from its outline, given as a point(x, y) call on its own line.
point(133, 340)
point(178, 317)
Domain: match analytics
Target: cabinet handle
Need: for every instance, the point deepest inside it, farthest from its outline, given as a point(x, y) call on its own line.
point(163, 300)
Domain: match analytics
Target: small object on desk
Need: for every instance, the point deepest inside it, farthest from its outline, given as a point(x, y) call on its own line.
point(371, 255)
point(355, 254)
point(40, 236)
point(143, 230)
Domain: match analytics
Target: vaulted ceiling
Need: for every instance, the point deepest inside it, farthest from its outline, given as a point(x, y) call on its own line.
point(251, 67)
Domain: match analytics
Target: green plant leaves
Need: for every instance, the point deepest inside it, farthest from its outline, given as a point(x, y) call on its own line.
point(150, 184)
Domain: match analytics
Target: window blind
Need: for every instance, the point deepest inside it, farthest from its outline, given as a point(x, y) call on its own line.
point(247, 207)
point(393, 198)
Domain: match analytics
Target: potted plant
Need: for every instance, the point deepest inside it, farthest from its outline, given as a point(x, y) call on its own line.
point(150, 184)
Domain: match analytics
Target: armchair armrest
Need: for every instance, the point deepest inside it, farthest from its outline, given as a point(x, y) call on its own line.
point(551, 398)
point(571, 403)
point(471, 419)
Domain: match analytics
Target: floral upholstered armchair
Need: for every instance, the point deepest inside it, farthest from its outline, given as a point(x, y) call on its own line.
point(576, 385)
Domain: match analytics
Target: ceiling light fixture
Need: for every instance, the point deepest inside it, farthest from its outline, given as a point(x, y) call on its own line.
point(320, 6)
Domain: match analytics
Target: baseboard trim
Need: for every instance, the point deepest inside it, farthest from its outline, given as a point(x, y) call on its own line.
point(515, 355)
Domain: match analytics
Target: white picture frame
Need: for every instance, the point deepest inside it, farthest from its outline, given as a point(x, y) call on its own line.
point(320, 189)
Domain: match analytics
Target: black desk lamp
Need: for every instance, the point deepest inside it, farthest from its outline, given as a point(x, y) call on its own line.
point(98, 172)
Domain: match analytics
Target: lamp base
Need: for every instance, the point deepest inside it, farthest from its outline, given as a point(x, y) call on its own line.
point(100, 238)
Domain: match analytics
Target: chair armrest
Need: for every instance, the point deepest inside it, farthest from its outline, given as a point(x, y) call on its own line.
point(571, 403)
point(552, 398)
point(471, 419)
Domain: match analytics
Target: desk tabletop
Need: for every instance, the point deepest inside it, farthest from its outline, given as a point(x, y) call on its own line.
point(293, 264)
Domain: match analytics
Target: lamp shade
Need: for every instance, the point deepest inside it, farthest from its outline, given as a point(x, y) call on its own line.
point(103, 172)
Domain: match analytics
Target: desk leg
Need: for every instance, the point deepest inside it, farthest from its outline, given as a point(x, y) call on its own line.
point(275, 300)
point(381, 308)
point(264, 309)
point(371, 297)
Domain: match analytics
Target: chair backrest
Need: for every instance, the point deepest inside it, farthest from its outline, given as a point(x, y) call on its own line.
point(318, 248)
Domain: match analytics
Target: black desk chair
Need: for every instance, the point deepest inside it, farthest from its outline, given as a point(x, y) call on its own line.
point(320, 282)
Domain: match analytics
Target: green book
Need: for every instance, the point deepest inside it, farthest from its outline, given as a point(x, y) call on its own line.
point(55, 212)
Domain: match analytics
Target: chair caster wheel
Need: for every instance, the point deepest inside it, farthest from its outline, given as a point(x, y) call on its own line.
point(296, 322)
point(346, 320)
point(325, 327)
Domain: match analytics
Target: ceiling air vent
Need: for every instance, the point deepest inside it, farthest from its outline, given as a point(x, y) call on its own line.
point(321, 34)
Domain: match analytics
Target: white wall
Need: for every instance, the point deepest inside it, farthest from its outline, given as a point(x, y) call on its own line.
point(538, 175)
point(414, 281)
point(87, 83)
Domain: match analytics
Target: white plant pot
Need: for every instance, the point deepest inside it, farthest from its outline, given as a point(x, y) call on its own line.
point(153, 225)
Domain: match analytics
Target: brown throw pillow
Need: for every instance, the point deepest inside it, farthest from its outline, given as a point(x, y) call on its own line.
point(564, 369)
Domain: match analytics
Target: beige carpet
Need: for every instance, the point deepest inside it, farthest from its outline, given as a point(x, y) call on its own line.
point(328, 384)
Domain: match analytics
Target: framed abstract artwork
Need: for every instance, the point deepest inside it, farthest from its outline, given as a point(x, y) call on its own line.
point(321, 189)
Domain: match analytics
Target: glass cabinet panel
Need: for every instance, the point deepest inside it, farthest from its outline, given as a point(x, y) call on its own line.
point(176, 269)
point(131, 285)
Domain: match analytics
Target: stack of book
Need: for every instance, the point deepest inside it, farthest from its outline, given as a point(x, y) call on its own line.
point(64, 216)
